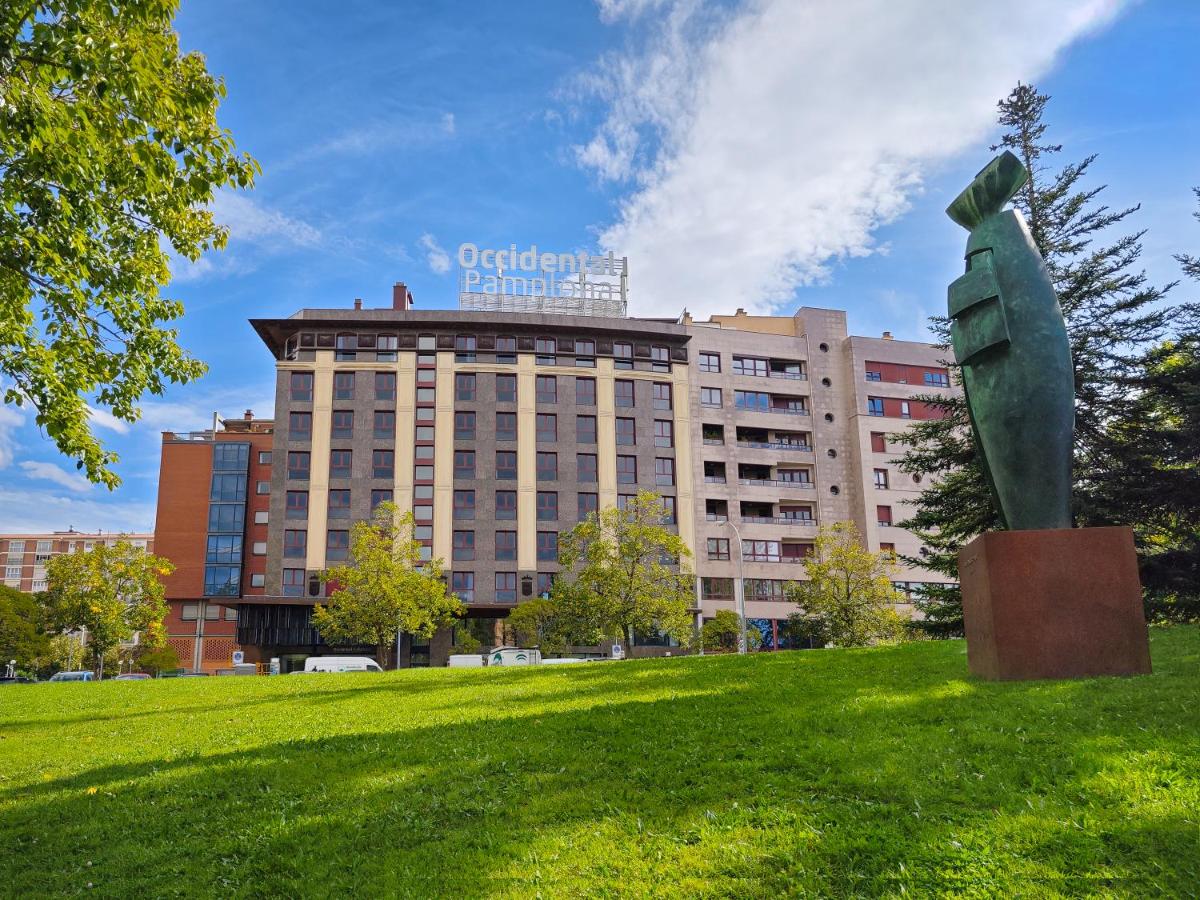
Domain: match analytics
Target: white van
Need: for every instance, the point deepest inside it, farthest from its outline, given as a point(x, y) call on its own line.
point(341, 664)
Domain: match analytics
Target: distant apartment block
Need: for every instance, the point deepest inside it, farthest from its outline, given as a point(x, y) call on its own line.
point(25, 555)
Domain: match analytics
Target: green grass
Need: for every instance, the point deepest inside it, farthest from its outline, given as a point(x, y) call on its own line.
point(830, 773)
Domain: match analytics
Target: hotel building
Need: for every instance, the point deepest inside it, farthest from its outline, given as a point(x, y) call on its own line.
point(501, 429)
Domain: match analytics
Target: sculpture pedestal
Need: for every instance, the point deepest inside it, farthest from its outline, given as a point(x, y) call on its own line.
point(1060, 603)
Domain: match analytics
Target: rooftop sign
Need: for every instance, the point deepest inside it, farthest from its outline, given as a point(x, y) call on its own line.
point(512, 280)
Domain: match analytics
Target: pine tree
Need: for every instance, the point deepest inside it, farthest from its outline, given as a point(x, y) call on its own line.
point(1114, 317)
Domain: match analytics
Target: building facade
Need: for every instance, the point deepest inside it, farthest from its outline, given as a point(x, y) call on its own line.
point(25, 555)
point(501, 430)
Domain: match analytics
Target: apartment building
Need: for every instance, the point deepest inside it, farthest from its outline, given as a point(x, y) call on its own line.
point(500, 429)
point(25, 555)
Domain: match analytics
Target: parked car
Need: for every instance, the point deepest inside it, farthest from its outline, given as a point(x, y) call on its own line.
point(18, 679)
point(134, 676)
point(341, 664)
point(73, 676)
point(193, 675)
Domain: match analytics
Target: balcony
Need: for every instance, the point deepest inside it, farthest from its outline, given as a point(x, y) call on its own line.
point(714, 479)
point(716, 517)
point(787, 411)
point(773, 482)
point(793, 376)
point(714, 442)
point(777, 520)
point(774, 445)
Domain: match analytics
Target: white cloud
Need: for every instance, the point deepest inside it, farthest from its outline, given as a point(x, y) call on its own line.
point(449, 126)
point(34, 510)
point(435, 255)
point(766, 142)
point(11, 419)
point(45, 471)
point(249, 220)
point(103, 419)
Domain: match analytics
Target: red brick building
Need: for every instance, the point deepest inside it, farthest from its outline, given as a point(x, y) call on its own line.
point(25, 555)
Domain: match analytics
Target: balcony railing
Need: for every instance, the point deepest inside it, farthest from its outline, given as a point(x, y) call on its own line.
point(714, 479)
point(775, 559)
point(794, 376)
point(775, 445)
point(777, 520)
point(787, 411)
point(714, 442)
point(716, 517)
point(772, 482)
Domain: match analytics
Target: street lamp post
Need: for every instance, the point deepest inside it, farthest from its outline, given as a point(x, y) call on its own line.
point(739, 594)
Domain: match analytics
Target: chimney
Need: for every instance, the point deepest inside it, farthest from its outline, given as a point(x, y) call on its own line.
point(887, 335)
point(248, 415)
point(402, 297)
point(358, 303)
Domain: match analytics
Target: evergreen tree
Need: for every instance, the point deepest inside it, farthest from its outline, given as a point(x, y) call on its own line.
point(1114, 319)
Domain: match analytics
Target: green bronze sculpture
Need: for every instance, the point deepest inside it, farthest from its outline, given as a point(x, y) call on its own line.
point(1009, 337)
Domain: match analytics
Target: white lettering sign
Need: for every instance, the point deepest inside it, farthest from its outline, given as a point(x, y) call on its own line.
point(530, 273)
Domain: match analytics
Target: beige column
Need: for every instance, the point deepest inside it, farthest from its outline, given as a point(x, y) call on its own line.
point(685, 505)
point(443, 459)
point(406, 397)
point(526, 463)
point(606, 432)
point(318, 476)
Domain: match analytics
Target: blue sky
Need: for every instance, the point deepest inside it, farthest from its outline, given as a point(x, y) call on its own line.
point(762, 154)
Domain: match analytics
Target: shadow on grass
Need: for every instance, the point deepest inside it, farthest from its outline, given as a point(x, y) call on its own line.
point(789, 774)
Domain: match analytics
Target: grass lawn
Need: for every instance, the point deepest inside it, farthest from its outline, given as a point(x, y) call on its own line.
point(843, 773)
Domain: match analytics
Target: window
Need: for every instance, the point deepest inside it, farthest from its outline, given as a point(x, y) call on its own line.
point(545, 583)
point(385, 424)
point(585, 391)
point(224, 548)
point(585, 354)
point(905, 413)
point(506, 350)
point(547, 389)
point(506, 465)
point(463, 585)
point(295, 543)
point(383, 464)
point(547, 506)
point(264, 457)
point(761, 551)
point(937, 379)
point(301, 385)
point(337, 544)
point(423, 452)
point(669, 517)
point(881, 479)
point(297, 505)
point(464, 505)
point(226, 458)
point(385, 385)
point(340, 463)
point(464, 426)
point(426, 395)
point(339, 504)
point(426, 342)
point(261, 517)
point(506, 545)
point(875, 406)
point(258, 579)
point(626, 432)
point(710, 397)
point(749, 365)
point(718, 548)
point(710, 362)
point(878, 442)
point(756, 400)
point(626, 470)
point(293, 582)
point(427, 377)
point(796, 513)
point(586, 468)
point(464, 463)
point(506, 587)
point(506, 426)
point(795, 552)
point(547, 546)
point(381, 495)
point(228, 487)
point(300, 424)
point(660, 359)
point(342, 423)
point(426, 433)
point(622, 355)
point(716, 588)
point(874, 375)
point(545, 351)
point(883, 515)
point(623, 394)
point(345, 346)
point(547, 427)
point(661, 395)
point(547, 467)
point(887, 548)
point(221, 581)
point(262, 487)
point(464, 348)
point(585, 429)
point(506, 388)
point(464, 545)
point(587, 504)
point(464, 387)
point(664, 472)
point(343, 385)
point(386, 348)
point(423, 473)
point(506, 505)
point(664, 433)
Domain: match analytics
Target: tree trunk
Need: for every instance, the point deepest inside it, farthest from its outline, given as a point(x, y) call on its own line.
point(381, 654)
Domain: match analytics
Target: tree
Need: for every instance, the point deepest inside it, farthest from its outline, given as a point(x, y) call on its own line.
point(721, 633)
point(1114, 318)
point(849, 595)
point(620, 573)
point(156, 659)
point(110, 154)
point(385, 588)
point(111, 593)
point(542, 623)
point(21, 634)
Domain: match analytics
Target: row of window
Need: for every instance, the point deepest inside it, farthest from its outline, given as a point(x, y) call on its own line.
point(903, 409)
point(752, 588)
point(895, 373)
point(755, 401)
point(760, 551)
point(753, 366)
point(337, 544)
point(341, 463)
